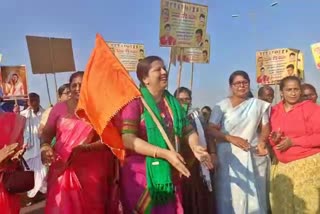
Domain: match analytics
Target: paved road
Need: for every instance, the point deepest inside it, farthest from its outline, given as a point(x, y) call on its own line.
point(37, 208)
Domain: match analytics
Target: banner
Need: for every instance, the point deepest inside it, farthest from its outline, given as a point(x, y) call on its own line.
point(197, 55)
point(13, 82)
point(274, 65)
point(50, 55)
point(182, 24)
point(315, 48)
point(128, 54)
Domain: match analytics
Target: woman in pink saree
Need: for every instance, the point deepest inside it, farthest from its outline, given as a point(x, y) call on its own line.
point(81, 173)
point(11, 140)
point(150, 169)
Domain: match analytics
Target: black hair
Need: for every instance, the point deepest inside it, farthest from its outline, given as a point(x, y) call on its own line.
point(62, 88)
point(290, 66)
point(206, 108)
point(181, 90)
point(144, 66)
point(34, 95)
point(289, 78)
point(75, 75)
point(199, 31)
point(238, 73)
point(263, 89)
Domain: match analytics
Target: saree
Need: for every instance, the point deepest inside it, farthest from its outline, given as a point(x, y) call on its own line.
point(133, 180)
point(83, 185)
point(241, 177)
point(11, 132)
point(198, 195)
point(295, 176)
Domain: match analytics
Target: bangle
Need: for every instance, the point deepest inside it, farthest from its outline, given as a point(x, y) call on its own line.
point(155, 153)
point(42, 146)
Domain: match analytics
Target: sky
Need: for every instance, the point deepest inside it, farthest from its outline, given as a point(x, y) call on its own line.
point(234, 41)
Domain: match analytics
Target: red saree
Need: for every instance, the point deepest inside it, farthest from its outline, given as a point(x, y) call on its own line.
point(11, 129)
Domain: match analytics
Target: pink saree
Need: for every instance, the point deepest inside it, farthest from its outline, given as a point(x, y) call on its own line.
point(85, 184)
point(133, 172)
point(11, 129)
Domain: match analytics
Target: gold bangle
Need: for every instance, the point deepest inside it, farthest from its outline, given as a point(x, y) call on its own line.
point(44, 145)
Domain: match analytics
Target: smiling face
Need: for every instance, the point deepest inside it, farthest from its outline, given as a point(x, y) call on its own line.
point(240, 87)
point(75, 87)
point(157, 78)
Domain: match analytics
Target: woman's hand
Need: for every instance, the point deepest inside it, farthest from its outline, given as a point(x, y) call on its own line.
point(47, 154)
point(203, 156)
point(7, 151)
point(276, 136)
point(239, 142)
point(214, 160)
point(18, 154)
point(177, 161)
point(284, 144)
point(261, 149)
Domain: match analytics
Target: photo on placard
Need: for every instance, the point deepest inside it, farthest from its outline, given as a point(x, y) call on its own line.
point(198, 55)
point(14, 82)
point(182, 24)
point(128, 54)
point(273, 65)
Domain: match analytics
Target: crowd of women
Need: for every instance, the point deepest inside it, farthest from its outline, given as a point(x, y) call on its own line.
point(243, 157)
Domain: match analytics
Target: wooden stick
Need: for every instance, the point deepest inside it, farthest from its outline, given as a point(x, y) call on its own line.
point(155, 119)
point(191, 81)
point(180, 69)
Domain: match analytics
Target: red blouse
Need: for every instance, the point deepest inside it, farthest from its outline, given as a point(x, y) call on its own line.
point(302, 125)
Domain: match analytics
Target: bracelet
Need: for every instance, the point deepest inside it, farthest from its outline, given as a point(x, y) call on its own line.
point(42, 146)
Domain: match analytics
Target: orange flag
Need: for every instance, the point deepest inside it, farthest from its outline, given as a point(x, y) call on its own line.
point(106, 88)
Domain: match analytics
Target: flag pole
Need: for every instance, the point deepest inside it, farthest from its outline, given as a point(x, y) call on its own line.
point(169, 67)
point(48, 90)
point(192, 73)
point(180, 69)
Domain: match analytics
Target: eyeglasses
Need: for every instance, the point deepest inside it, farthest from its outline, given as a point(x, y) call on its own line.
point(241, 83)
point(67, 93)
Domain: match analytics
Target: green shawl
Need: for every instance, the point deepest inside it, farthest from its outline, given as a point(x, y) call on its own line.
point(159, 181)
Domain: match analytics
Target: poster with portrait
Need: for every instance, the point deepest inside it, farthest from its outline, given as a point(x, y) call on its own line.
point(273, 65)
point(128, 54)
point(300, 65)
point(197, 55)
point(14, 82)
point(315, 48)
point(182, 24)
